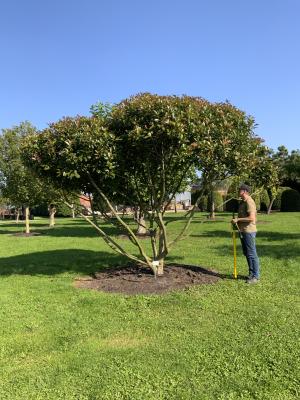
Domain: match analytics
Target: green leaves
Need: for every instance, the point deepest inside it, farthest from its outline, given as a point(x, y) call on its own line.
point(143, 150)
point(18, 183)
point(70, 149)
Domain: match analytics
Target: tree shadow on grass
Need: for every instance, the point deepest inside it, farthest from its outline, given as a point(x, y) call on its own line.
point(59, 261)
point(84, 262)
point(274, 245)
point(264, 235)
point(276, 252)
point(80, 231)
point(65, 230)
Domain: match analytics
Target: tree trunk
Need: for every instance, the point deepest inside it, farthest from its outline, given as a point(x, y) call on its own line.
point(270, 206)
point(141, 230)
point(211, 205)
point(160, 268)
point(161, 249)
point(175, 206)
point(17, 215)
point(52, 212)
point(73, 211)
point(212, 214)
point(27, 228)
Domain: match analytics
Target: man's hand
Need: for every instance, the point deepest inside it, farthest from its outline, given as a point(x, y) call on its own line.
point(234, 220)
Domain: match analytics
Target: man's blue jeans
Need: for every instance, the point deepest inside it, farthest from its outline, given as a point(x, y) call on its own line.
point(249, 250)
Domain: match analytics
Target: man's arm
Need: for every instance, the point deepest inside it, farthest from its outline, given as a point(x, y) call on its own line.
point(251, 218)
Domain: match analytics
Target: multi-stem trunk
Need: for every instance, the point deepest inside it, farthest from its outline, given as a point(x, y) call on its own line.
point(160, 268)
point(162, 249)
point(27, 227)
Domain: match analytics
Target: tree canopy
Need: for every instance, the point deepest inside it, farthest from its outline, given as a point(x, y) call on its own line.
point(142, 150)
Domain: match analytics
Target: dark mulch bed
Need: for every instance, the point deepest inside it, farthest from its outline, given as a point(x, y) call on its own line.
point(132, 279)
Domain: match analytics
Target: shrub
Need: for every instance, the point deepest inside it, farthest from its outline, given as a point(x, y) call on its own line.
point(40, 210)
point(264, 201)
point(290, 200)
point(256, 198)
point(202, 204)
point(277, 202)
point(232, 205)
point(61, 210)
point(217, 198)
point(194, 196)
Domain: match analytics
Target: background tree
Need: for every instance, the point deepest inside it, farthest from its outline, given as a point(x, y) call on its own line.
point(18, 183)
point(288, 165)
point(265, 176)
point(292, 167)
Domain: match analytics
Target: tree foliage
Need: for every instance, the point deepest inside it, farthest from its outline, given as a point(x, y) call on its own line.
point(141, 151)
point(17, 182)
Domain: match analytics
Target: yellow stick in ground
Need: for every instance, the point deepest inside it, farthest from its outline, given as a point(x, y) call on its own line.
point(234, 255)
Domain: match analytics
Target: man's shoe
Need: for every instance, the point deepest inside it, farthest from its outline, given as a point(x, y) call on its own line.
point(252, 280)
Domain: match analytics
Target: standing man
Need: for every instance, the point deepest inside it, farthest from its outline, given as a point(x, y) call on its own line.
point(246, 222)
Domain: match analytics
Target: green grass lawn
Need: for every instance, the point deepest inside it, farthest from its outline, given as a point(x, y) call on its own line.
point(218, 342)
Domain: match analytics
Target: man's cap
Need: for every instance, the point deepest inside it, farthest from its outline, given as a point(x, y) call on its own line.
point(245, 187)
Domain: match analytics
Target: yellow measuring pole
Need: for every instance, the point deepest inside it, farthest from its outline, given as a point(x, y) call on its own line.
point(234, 254)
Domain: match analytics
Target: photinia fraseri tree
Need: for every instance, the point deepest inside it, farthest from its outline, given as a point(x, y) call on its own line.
point(141, 152)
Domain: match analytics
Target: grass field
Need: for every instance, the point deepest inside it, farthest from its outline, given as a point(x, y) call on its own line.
point(216, 342)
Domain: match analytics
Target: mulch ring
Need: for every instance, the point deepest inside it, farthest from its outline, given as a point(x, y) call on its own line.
point(26, 234)
point(133, 279)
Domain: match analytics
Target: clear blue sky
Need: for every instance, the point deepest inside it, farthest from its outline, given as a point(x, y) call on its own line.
point(60, 56)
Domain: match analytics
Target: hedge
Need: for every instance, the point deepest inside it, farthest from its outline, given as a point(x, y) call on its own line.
point(290, 200)
point(277, 202)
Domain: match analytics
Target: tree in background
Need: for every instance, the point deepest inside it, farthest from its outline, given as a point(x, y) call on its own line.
point(289, 166)
point(292, 166)
point(18, 183)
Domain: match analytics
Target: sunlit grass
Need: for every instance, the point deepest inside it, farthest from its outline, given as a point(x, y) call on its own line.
point(222, 341)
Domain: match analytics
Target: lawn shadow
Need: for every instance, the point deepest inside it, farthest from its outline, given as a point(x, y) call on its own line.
point(276, 245)
point(68, 230)
point(59, 261)
point(85, 262)
point(264, 235)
